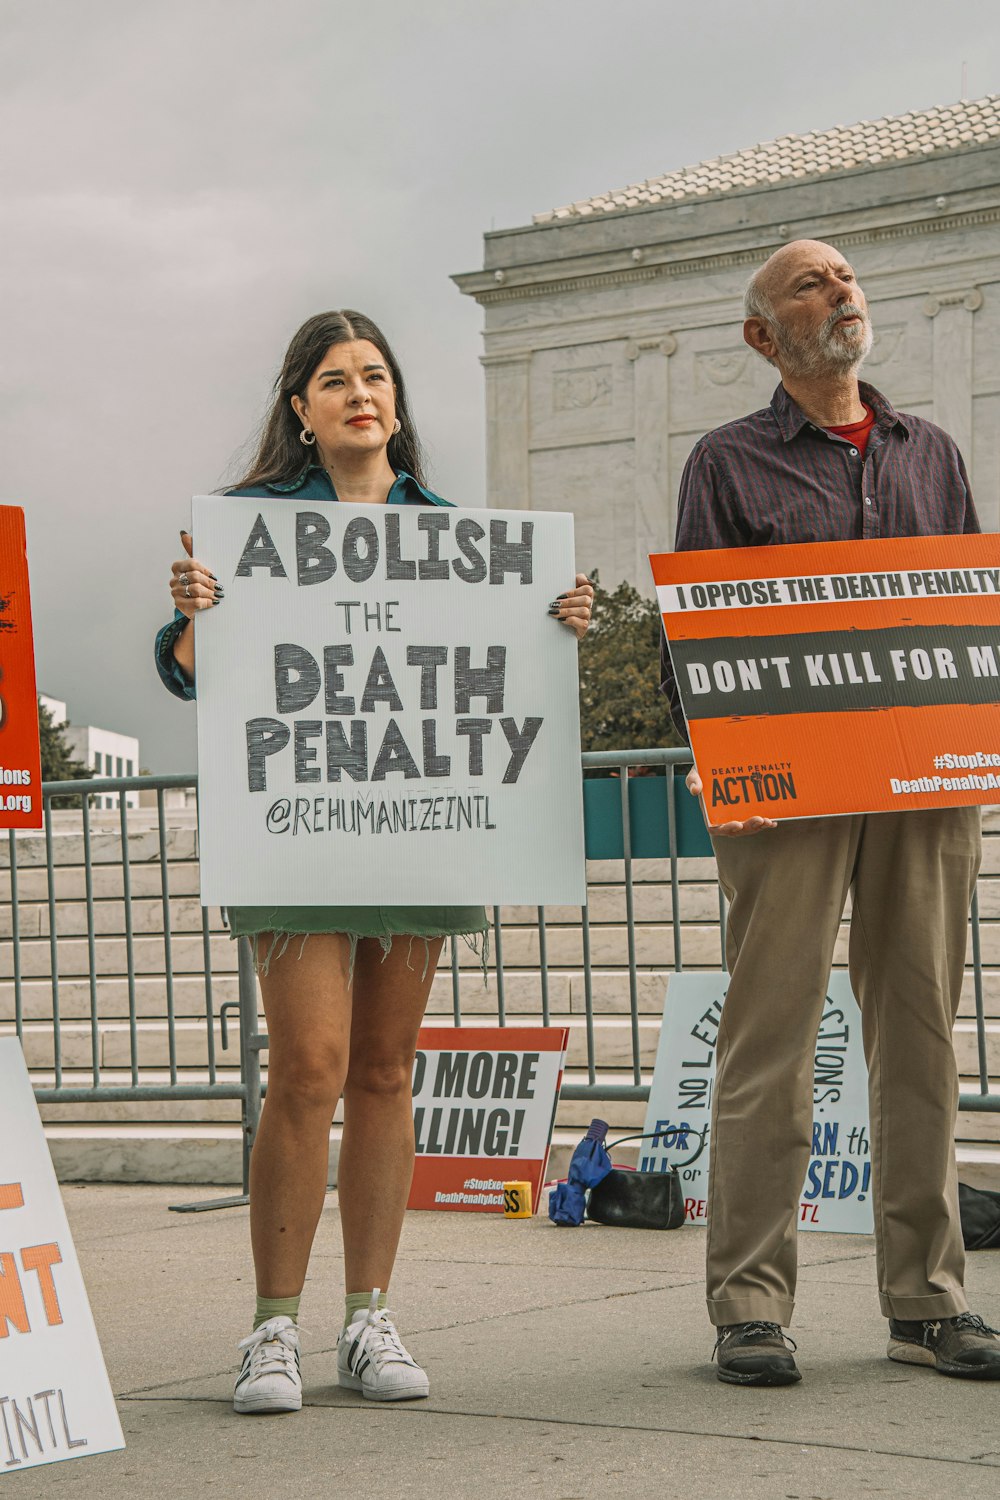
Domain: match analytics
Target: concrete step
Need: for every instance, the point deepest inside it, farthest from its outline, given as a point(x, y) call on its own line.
point(567, 986)
point(107, 881)
point(567, 989)
point(112, 996)
point(612, 1041)
point(979, 1166)
point(606, 904)
point(180, 837)
point(111, 958)
point(72, 919)
point(654, 946)
point(192, 1154)
point(212, 1154)
point(611, 989)
point(69, 848)
point(698, 901)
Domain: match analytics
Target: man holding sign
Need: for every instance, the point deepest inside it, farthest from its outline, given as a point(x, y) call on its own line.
point(831, 460)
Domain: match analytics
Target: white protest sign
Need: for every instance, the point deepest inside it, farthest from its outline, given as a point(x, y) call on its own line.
point(484, 1101)
point(836, 1194)
point(387, 714)
point(55, 1400)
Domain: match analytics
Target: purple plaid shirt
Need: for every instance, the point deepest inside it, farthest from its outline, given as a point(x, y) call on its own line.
point(774, 478)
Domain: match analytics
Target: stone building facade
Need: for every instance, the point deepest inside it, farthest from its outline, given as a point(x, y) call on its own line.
point(613, 326)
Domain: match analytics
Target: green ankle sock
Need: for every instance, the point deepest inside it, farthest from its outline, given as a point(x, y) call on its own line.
point(356, 1302)
point(276, 1307)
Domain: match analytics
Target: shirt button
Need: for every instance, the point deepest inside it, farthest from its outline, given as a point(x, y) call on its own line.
point(854, 452)
point(868, 499)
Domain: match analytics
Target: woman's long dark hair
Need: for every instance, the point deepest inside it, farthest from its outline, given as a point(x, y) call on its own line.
point(280, 455)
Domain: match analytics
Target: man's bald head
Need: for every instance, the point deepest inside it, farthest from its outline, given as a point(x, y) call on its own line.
point(759, 296)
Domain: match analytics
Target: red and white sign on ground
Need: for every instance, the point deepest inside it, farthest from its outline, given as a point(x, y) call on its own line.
point(55, 1400)
point(484, 1099)
point(20, 763)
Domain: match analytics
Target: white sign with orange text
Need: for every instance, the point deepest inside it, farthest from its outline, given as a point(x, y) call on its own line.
point(55, 1398)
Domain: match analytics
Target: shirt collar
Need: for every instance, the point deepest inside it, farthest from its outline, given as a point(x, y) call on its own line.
point(403, 482)
point(289, 486)
point(791, 419)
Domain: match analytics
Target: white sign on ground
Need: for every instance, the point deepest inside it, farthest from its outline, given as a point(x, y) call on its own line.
point(836, 1194)
point(55, 1400)
point(387, 714)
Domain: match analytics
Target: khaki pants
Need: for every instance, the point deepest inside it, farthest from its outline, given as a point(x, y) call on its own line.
point(911, 876)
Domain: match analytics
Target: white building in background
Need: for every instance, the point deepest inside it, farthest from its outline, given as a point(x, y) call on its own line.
point(104, 751)
point(613, 325)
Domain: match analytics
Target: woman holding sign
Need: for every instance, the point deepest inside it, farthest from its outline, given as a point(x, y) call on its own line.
point(344, 988)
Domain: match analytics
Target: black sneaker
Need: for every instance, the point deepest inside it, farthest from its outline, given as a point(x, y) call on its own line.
point(755, 1354)
point(963, 1346)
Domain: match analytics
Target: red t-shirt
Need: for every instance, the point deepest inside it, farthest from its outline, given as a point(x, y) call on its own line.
point(856, 433)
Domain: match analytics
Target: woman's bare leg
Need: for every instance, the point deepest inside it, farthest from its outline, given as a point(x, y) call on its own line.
point(376, 1153)
point(307, 1002)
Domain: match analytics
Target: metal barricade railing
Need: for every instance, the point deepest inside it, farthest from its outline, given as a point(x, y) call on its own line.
point(105, 839)
point(629, 817)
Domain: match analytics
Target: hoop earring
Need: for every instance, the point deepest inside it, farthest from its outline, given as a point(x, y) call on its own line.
point(307, 437)
point(397, 426)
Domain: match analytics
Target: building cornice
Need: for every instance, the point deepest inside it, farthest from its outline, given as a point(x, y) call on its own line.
point(541, 280)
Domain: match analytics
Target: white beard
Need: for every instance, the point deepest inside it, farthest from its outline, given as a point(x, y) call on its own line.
point(832, 350)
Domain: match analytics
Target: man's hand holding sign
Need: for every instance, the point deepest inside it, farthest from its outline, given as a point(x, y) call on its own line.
point(733, 829)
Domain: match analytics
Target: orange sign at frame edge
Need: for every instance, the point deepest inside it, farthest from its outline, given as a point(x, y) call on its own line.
point(20, 756)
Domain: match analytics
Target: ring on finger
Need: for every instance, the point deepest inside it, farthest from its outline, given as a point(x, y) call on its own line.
point(187, 591)
point(183, 579)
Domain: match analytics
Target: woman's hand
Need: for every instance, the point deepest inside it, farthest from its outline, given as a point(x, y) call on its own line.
point(732, 830)
point(573, 608)
point(192, 586)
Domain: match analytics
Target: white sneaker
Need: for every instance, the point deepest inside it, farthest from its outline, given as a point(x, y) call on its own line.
point(269, 1379)
point(371, 1359)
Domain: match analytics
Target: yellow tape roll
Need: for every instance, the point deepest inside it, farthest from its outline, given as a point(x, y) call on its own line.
point(517, 1200)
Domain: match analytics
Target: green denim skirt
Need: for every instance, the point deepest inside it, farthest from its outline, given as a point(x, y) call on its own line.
point(384, 923)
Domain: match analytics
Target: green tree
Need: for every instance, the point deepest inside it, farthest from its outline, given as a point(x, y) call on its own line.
point(58, 760)
point(621, 706)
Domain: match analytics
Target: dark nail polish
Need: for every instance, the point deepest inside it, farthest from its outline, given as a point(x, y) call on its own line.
point(554, 613)
point(212, 575)
point(562, 596)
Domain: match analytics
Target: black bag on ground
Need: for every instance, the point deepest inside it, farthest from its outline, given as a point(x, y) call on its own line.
point(980, 1215)
point(638, 1200)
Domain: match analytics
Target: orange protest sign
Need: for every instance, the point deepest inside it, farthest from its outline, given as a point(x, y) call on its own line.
point(484, 1102)
point(20, 764)
point(838, 677)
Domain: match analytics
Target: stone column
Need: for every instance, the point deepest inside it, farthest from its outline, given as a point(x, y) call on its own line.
point(653, 519)
point(508, 485)
point(953, 313)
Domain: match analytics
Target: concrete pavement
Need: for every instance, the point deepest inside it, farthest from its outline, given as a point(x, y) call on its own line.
point(569, 1363)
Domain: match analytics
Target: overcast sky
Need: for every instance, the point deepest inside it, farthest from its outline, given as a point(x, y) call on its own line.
point(183, 181)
